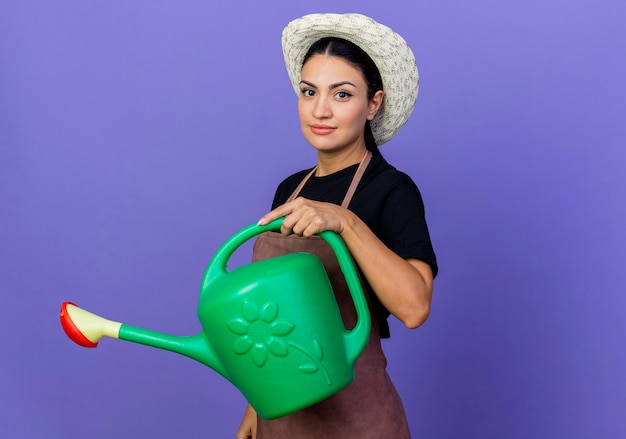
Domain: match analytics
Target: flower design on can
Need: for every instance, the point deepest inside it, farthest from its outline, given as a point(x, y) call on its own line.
point(260, 331)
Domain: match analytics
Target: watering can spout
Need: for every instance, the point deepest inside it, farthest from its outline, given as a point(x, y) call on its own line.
point(87, 329)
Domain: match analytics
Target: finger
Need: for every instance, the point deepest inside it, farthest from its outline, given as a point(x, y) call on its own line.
point(273, 215)
point(308, 223)
point(314, 227)
point(293, 223)
point(282, 210)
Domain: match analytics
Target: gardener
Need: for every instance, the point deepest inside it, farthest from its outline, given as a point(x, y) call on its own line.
point(357, 83)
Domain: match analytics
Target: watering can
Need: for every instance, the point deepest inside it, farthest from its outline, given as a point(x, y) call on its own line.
point(272, 328)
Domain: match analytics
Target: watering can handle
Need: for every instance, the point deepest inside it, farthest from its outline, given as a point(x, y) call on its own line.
point(357, 338)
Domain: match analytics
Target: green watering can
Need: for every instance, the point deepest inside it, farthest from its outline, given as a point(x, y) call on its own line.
point(272, 327)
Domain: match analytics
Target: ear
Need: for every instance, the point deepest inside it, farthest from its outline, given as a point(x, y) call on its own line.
point(374, 104)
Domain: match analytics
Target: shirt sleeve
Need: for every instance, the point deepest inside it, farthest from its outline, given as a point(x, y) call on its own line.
point(403, 225)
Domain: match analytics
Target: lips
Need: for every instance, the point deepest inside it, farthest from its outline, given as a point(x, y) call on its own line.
point(322, 129)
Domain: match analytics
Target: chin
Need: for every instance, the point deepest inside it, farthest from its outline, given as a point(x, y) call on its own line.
point(324, 144)
point(321, 146)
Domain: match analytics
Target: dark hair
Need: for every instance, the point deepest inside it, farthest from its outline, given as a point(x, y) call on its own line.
point(356, 56)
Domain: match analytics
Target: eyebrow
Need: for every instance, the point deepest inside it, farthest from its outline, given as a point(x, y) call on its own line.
point(332, 86)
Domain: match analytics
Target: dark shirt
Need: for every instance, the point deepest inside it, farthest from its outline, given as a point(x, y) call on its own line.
point(386, 200)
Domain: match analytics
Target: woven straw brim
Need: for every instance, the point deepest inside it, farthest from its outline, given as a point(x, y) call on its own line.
point(388, 50)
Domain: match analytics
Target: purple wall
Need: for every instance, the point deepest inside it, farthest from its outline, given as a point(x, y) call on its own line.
point(137, 136)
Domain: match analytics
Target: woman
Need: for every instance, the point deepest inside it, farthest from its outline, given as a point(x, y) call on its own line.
point(356, 82)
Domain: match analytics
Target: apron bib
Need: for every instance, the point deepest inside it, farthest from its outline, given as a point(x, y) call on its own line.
point(370, 407)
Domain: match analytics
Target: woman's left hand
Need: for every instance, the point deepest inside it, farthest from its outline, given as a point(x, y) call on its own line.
point(304, 217)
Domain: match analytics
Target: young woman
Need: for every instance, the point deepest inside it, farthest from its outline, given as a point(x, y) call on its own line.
point(357, 83)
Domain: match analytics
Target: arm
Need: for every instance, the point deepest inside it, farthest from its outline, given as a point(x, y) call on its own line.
point(403, 286)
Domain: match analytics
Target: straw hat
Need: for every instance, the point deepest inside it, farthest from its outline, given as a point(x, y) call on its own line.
point(388, 50)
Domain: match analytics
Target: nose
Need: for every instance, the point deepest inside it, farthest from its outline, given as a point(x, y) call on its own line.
point(321, 108)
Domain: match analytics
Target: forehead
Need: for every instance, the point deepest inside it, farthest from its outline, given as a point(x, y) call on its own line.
point(331, 68)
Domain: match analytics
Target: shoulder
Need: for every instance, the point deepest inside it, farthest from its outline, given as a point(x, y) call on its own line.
point(385, 178)
point(386, 192)
point(381, 169)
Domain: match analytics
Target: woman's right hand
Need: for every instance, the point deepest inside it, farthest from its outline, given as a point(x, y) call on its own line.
point(247, 429)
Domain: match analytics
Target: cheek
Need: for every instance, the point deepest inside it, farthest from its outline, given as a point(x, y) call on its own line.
point(301, 109)
point(355, 116)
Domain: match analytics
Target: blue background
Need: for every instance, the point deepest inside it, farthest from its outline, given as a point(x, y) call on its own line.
point(137, 136)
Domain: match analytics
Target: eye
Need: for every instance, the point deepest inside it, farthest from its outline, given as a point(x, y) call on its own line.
point(307, 92)
point(343, 94)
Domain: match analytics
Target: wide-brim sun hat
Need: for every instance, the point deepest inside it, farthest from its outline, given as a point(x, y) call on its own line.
point(389, 51)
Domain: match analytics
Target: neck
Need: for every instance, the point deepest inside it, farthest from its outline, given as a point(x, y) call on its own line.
point(331, 162)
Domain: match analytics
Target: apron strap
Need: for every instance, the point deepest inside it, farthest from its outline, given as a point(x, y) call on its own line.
point(353, 185)
point(301, 185)
point(356, 179)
